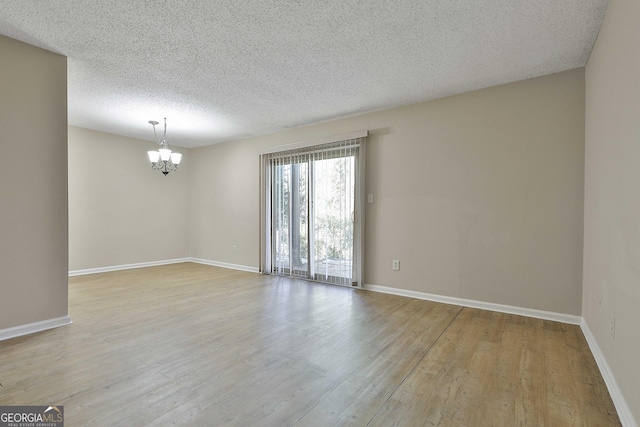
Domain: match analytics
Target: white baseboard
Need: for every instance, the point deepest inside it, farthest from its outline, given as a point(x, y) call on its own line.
point(30, 328)
point(626, 417)
point(225, 265)
point(165, 262)
point(521, 311)
point(126, 266)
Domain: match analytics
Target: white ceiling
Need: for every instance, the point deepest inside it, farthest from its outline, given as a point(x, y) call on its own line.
point(222, 70)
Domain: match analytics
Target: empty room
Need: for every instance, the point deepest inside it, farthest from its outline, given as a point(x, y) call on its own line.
point(269, 213)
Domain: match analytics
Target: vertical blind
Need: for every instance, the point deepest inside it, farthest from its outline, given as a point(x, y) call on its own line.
point(311, 205)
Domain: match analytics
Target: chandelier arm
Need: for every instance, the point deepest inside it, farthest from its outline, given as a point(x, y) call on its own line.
point(164, 166)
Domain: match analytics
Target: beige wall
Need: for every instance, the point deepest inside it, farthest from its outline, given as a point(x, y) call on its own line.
point(223, 203)
point(33, 184)
point(612, 195)
point(478, 195)
point(120, 211)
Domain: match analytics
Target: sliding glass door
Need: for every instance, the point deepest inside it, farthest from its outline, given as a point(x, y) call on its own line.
point(332, 218)
point(290, 217)
point(311, 205)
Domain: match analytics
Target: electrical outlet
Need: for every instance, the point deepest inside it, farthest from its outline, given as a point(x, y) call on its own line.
point(612, 326)
point(395, 265)
point(235, 248)
point(369, 198)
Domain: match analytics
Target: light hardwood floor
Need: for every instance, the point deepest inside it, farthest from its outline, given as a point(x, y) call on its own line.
point(189, 344)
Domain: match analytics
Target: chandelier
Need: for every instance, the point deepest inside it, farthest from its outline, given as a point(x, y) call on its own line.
point(163, 160)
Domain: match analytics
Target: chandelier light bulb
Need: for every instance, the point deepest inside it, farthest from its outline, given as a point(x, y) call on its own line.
point(165, 154)
point(154, 156)
point(176, 158)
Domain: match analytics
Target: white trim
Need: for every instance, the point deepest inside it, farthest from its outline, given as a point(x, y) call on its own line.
point(626, 417)
point(31, 328)
point(311, 143)
point(482, 305)
point(225, 265)
point(126, 266)
point(165, 262)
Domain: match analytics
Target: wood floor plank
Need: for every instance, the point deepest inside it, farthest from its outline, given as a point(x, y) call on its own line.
point(188, 344)
point(493, 369)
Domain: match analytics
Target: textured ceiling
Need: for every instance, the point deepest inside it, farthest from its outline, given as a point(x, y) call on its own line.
point(226, 69)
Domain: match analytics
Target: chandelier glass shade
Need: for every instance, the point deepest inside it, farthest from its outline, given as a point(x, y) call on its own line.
point(163, 160)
